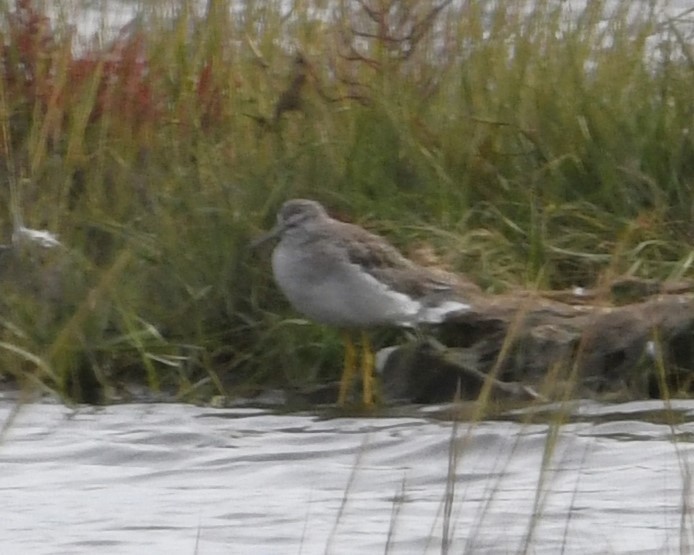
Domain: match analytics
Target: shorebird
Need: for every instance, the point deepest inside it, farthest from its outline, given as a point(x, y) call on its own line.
point(341, 275)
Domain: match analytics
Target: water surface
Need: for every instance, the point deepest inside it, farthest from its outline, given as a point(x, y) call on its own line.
point(166, 478)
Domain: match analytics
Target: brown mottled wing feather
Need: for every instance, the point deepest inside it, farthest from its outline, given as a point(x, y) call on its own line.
point(383, 261)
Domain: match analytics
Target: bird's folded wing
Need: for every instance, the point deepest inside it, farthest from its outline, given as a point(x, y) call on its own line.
point(375, 256)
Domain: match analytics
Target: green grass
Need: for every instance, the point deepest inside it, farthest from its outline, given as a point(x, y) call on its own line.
point(527, 148)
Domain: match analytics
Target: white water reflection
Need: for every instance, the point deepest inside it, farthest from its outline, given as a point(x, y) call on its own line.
point(165, 478)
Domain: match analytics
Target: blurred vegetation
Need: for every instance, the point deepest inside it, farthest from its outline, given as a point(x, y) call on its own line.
point(527, 145)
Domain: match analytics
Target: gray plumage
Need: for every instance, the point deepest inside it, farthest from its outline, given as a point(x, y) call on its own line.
point(341, 275)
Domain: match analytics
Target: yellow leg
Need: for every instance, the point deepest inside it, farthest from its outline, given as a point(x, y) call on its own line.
point(367, 370)
point(348, 370)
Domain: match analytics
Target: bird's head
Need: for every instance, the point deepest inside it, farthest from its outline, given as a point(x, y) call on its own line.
point(293, 217)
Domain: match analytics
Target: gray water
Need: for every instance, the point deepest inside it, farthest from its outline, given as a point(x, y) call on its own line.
point(177, 479)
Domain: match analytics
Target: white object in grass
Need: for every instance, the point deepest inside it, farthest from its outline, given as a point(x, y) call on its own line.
point(46, 239)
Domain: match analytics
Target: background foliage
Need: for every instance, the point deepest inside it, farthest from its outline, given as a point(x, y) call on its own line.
point(524, 144)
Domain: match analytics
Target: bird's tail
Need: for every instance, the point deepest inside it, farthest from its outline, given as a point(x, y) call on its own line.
point(439, 312)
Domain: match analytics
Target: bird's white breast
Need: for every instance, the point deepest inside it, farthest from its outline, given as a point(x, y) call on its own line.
point(331, 290)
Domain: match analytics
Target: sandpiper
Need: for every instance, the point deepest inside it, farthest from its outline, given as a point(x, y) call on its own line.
point(341, 275)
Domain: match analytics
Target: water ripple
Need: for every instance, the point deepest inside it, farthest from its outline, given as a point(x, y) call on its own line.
point(165, 478)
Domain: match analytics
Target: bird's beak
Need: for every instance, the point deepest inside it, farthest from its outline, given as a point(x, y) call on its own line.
point(265, 237)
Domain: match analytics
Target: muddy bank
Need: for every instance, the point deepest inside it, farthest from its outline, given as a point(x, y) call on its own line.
point(631, 339)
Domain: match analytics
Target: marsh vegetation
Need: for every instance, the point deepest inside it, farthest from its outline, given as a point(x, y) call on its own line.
point(525, 145)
